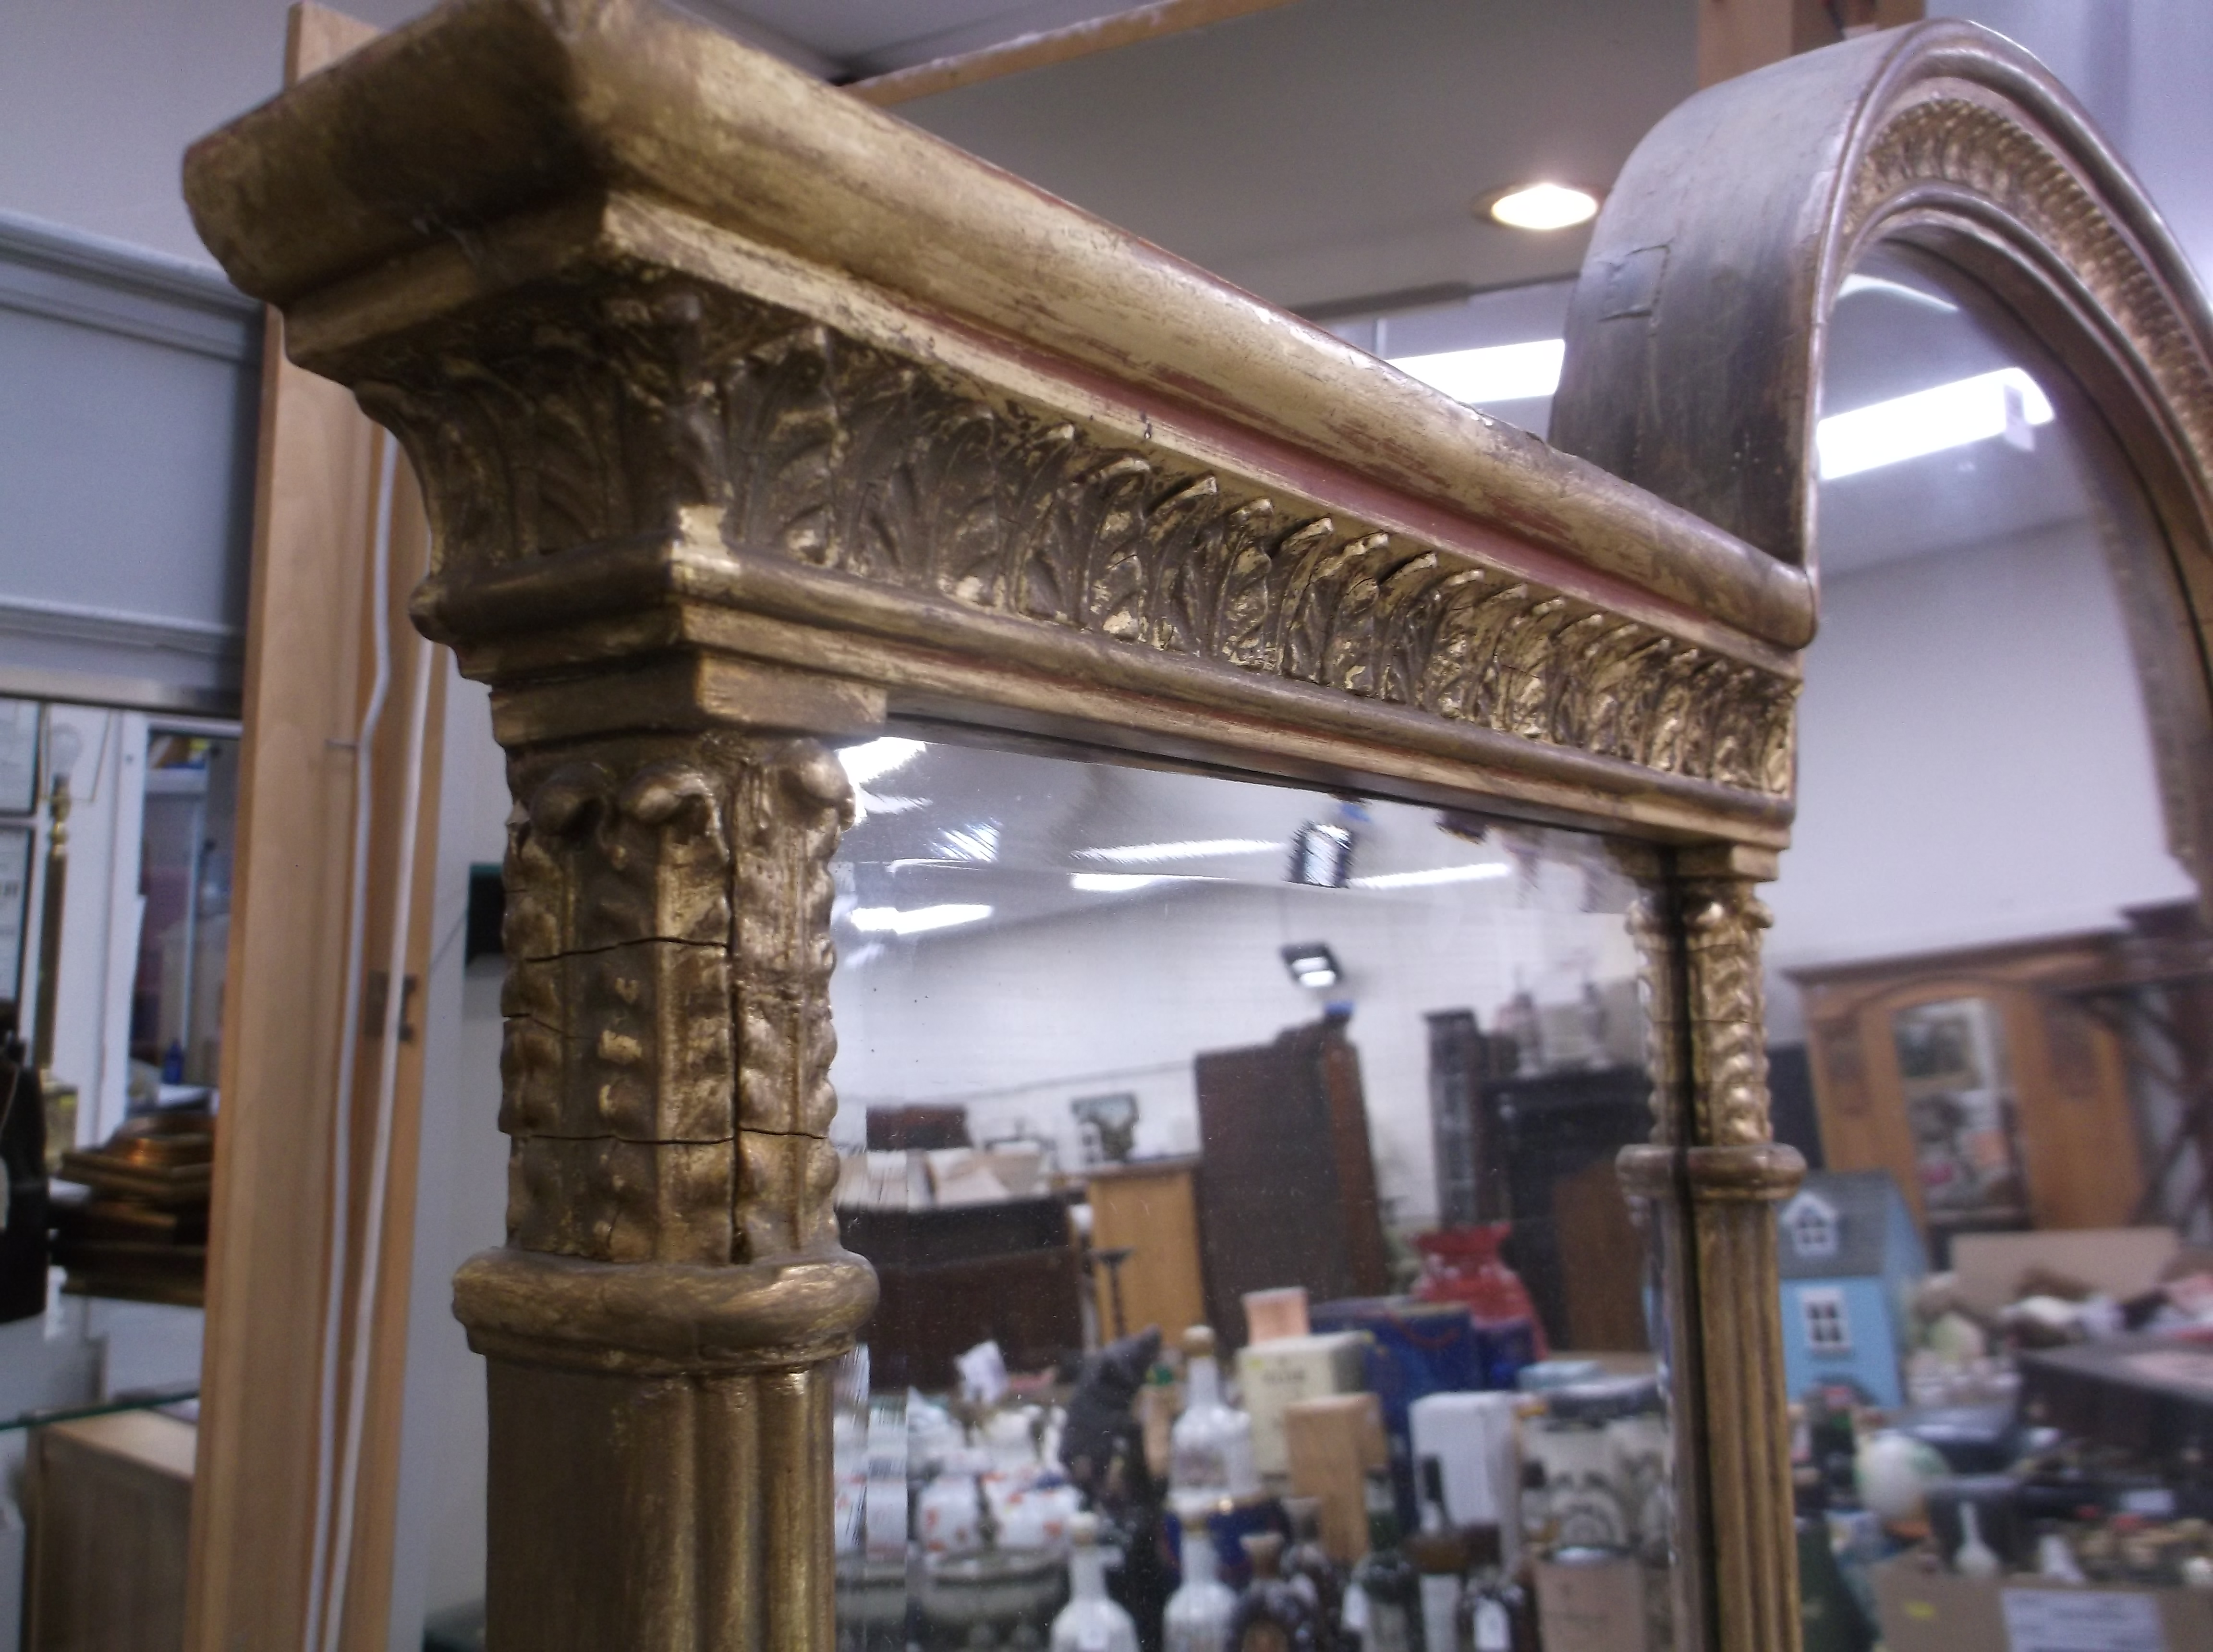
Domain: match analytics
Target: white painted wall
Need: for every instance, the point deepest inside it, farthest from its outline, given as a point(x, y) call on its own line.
point(461, 1199)
point(1973, 762)
point(1017, 1023)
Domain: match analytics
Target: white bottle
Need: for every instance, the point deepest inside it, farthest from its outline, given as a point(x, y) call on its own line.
point(1199, 1612)
point(1090, 1622)
point(1211, 1447)
point(1974, 1557)
point(2055, 1561)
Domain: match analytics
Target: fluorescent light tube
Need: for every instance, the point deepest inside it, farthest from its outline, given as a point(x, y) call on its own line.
point(1474, 873)
point(2006, 403)
point(919, 920)
point(1196, 849)
point(1495, 373)
point(872, 759)
point(1114, 883)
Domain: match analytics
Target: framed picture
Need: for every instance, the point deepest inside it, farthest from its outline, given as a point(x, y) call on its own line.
point(1107, 1126)
point(16, 842)
point(19, 757)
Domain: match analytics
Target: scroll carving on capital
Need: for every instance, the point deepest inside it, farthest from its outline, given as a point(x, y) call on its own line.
point(562, 421)
point(667, 1040)
point(1721, 920)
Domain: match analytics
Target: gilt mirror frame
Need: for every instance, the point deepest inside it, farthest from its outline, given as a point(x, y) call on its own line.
point(750, 419)
point(1699, 327)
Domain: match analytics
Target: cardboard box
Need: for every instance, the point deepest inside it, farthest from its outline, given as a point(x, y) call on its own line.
point(1280, 1373)
point(1332, 1443)
point(1925, 1611)
point(1593, 1605)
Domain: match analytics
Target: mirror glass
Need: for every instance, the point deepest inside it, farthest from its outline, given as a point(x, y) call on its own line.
point(1985, 957)
point(1238, 1155)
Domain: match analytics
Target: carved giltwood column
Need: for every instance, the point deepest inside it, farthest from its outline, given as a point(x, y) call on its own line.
point(659, 1327)
point(1712, 1178)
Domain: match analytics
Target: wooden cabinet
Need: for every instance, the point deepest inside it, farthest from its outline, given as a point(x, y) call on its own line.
point(1979, 1080)
point(1552, 1140)
point(951, 1278)
point(110, 1503)
point(1152, 1209)
point(1287, 1188)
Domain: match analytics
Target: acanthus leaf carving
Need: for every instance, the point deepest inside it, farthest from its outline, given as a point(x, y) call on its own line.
point(841, 455)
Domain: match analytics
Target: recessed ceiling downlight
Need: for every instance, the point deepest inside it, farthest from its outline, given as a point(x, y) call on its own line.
point(1543, 206)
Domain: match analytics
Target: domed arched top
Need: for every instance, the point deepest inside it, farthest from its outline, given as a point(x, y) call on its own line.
point(1696, 334)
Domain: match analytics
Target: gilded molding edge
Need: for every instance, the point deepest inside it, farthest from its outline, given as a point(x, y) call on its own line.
point(556, 419)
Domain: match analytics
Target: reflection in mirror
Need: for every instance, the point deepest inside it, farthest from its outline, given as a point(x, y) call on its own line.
point(115, 893)
point(1992, 981)
point(1237, 1163)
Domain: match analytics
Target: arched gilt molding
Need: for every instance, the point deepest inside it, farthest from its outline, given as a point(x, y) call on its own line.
point(1699, 330)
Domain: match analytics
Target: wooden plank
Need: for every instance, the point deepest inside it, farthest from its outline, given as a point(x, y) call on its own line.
point(1050, 46)
point(368, 1597)
point(1737, 36)
point(308, 675)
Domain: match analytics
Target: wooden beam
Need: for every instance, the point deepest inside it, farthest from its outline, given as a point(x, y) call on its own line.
point(1737, 36)
point(1051, 46)
point(311, 606)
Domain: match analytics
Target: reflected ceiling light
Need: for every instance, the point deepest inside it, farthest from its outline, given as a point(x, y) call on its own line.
point(1196, 849)
point(1854, 284)
point(1542, 206)
point(872, 759)
point(1115, 883)
point(1477, 873)
point(2006, 403)
point(919, 920)
point(978, 844)
point(1321, 855)
point(1312, 964)
point(1495, 373)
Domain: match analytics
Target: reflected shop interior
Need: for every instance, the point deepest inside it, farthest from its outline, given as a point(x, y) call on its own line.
point(1239, 1158)
point(1301, 1111)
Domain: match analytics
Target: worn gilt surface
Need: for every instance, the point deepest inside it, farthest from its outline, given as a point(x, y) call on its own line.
point(667, 1040)
point(663, 409)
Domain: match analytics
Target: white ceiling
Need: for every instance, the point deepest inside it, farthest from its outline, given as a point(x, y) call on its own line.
point(1319, 154)
point(1330, 149)
point(848, 38)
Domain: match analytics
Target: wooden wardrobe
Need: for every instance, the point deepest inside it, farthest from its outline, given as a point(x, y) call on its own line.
point(1286, 1182)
